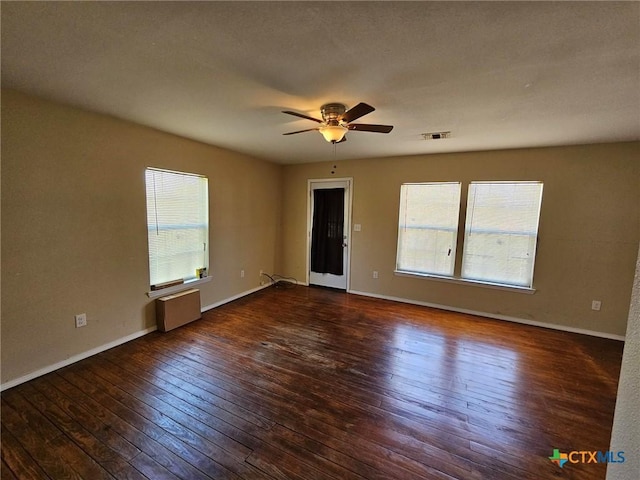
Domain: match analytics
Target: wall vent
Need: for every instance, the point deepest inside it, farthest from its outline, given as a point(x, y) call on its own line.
point(436, 135)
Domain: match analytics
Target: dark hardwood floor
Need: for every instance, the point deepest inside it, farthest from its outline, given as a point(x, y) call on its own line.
point(306, 383)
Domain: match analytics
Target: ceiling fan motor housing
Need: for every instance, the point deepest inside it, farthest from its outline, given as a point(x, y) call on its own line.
point(337, 120)
point(332, 113)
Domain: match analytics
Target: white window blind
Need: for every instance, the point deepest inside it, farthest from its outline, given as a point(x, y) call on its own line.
point(501, 232)
point(178, 224)
point(428, 227)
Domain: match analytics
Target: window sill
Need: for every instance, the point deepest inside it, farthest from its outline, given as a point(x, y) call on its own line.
point(178, 288)
point(464, 281)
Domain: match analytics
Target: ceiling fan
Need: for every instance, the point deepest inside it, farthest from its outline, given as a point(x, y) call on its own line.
point(336, 121)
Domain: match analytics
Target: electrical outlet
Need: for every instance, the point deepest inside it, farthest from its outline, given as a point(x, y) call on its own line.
point(241, 273)
point(81, 320)
point(375, 274)
point(595, 305)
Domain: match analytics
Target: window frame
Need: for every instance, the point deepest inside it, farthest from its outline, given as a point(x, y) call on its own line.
point(533, 234)
point(457, 277)
point(432, 226)
point(187, 281)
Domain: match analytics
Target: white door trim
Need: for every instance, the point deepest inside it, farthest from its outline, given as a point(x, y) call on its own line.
point(327, 183)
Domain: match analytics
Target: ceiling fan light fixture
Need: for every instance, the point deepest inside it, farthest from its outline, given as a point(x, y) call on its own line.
point(333, 133)
point(337, 120)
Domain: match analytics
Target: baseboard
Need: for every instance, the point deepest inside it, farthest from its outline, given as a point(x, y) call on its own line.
point(552, 326)
point(133, 336)
point(107, 346)
point(76, 358)
point(235, 297)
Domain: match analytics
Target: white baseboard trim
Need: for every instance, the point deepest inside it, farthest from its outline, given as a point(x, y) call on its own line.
point(552, 326)
point(107, 346)
point(133, 336)
point(235, 297)
point(76, 358)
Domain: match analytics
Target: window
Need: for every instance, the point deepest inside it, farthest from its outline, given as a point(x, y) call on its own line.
point(178, 225)
point(501, 232)
point(428, 227)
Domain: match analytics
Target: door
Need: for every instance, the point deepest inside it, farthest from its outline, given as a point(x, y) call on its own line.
point(330, 205)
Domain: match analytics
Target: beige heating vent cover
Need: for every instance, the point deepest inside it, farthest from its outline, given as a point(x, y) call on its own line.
point(176, 310)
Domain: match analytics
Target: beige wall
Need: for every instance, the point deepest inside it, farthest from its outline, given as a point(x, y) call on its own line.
point(74, 233)
point(589, 229)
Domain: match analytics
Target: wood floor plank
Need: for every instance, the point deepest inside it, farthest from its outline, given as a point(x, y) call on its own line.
point(138, 366)
point(6, 473)
point(307, 383)
point(44, 452)
point(167, 457)
point(154, 456)
point(16, 459)
point(90, 419)
point(109, 421)
point(188, 423)
point(108, 459)
point(151, 468)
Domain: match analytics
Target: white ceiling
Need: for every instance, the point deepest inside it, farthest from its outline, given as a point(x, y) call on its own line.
point(496, 74)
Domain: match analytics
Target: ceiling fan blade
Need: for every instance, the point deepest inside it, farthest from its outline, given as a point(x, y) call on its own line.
point(301, 131)
point(367, 127)
point(301, 115)
point(356, 112)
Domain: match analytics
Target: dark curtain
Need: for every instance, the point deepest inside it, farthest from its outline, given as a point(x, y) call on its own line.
point(327, 233)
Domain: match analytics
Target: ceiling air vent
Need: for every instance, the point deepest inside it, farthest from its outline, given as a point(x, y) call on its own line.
point(436, 135)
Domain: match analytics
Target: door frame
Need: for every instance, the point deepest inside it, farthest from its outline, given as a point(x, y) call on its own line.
point(347, 223)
